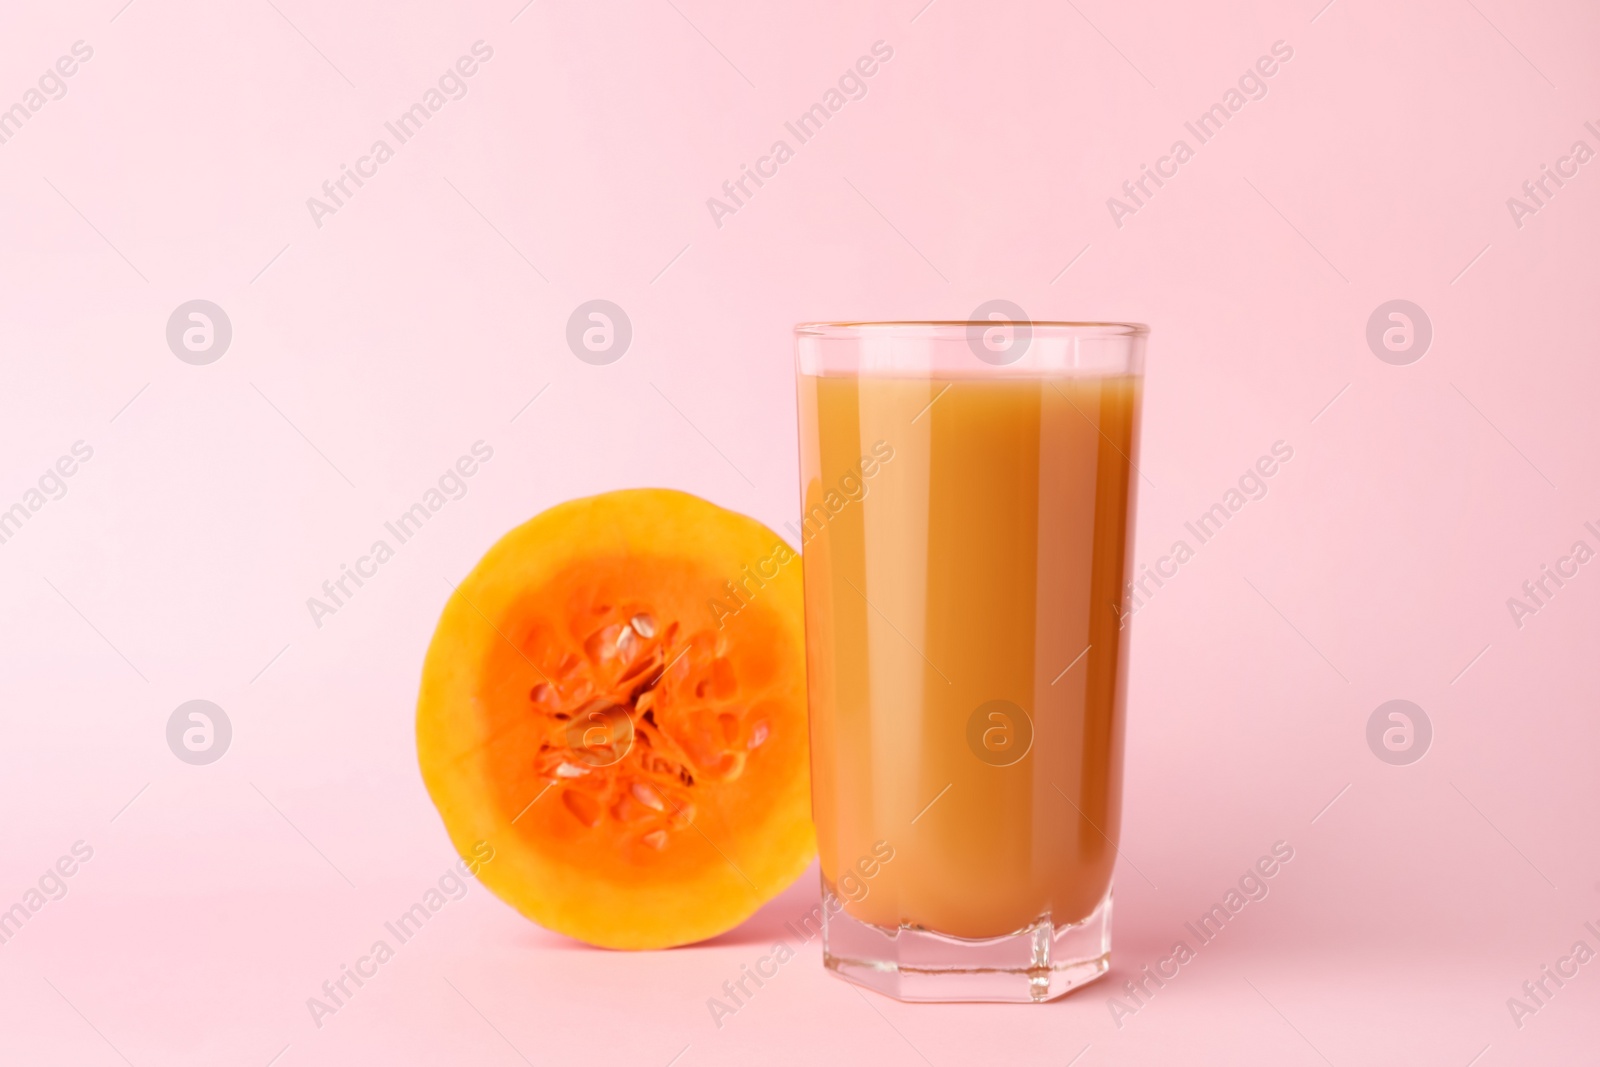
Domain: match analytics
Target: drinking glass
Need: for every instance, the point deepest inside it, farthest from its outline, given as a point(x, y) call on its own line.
point(968, 491)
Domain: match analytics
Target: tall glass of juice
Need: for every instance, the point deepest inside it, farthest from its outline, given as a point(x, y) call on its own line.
point(967, 495)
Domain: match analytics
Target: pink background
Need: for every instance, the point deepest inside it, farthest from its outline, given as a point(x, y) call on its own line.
point(370, 352)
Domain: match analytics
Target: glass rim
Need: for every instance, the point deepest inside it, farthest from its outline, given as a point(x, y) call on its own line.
point(946, 327)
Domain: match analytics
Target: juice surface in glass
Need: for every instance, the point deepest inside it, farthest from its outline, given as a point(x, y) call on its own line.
point(966, 543)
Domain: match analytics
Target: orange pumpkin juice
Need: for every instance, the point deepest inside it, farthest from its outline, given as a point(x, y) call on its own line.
point(966, 544)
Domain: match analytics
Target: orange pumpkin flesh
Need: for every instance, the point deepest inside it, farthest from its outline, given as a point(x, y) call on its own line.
point(628, 735)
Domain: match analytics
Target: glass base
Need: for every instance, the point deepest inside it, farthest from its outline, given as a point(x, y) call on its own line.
point(1037, 963)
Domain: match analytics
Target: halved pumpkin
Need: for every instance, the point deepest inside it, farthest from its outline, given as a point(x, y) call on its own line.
point(614, 699)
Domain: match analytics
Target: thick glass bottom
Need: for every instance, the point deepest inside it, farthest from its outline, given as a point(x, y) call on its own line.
point(1039, 962)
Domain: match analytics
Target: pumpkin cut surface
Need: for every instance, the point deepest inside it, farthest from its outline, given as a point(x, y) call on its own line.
point(614, 699)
